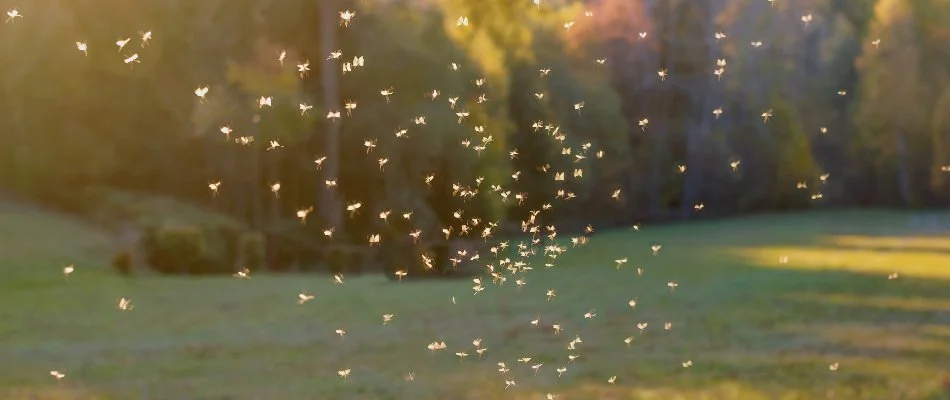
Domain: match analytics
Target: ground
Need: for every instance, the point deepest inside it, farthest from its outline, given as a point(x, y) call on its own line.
point(764, 308)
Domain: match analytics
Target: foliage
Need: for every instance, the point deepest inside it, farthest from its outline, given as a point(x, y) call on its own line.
point(167, 224)
point(176, 249)
point(842, 102)
point(122, 262)
point(252, 251)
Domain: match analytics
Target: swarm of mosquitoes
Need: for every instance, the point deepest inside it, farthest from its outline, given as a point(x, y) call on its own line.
point(540, 239)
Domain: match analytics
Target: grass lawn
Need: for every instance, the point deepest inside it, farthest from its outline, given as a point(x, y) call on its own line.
point(764, 307)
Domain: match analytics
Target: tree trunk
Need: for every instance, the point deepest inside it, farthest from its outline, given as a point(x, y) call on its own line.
point(694, 176)
point(257, 206)
point(330, 205)
point(659, 137)
point(696, 138)
point(237, 194)
point(272, 164)
point(903, 175)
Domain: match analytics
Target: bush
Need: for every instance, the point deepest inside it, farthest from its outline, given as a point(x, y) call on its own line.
point(176, 249)
point(122, 262)
point(200, 250)
point(310, 259)
point(440, 253)
point(334, 260)
point(394, 255)
point(224, 243)
point(356, 262)
point(251, 250)
point(280, 253)
point(408, 256)
point(214, 243)
point(346, 259)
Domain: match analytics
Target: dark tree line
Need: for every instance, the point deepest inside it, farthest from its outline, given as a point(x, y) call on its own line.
point(671, 109)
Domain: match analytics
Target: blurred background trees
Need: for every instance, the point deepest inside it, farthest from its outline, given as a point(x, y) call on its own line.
point(854, 93)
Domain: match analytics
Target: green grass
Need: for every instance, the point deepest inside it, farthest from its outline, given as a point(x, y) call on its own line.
point(754, 327)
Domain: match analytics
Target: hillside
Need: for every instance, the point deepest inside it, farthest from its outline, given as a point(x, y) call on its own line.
point(36, 241)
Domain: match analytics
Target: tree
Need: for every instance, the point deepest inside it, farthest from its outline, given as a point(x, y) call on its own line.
point(330, 204)
point(890, 109)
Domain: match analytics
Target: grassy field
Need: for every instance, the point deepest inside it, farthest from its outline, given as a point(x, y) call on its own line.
point(765, 307)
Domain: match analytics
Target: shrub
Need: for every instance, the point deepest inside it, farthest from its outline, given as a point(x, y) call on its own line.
point(280, 253)
point(335, 260)
point(357, 260)
point(439, 252)
point(175, 249)
point(310, 258)
point(215, 239)
point(394, 255)
point(224, 243)
point(251, 250)
point(408, 256)
point(194, 249)
point(149, 243)
point(122, 262)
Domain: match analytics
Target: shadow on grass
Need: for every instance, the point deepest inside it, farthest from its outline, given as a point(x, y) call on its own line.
point(803, 314)
point(759, 331)
point(768, 313)
point(889, 338)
